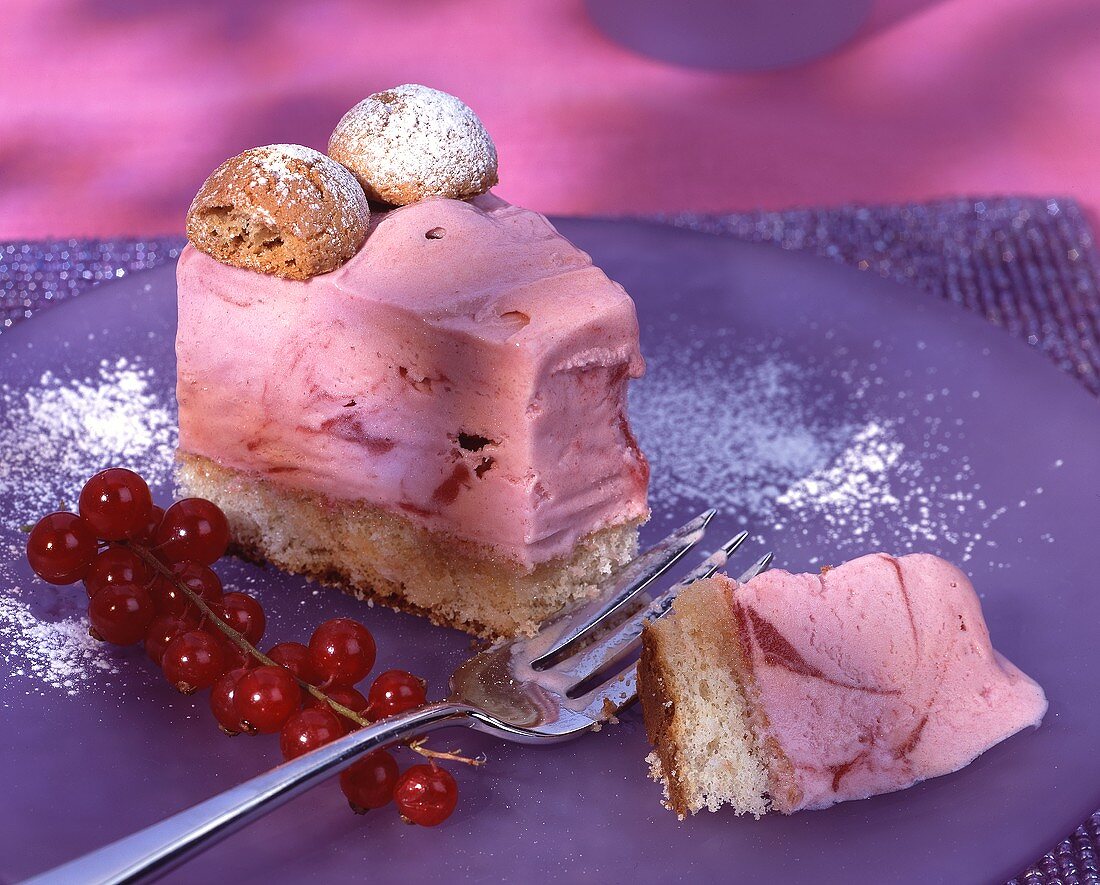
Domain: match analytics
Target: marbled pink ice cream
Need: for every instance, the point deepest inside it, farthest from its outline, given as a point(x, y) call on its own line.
point(467, 369)
point(874, 675)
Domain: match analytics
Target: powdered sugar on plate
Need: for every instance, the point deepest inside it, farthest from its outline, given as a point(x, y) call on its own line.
point(53, 436)
point(57, 433)
point(48, 655)
point(810, 453)
point(733, 431)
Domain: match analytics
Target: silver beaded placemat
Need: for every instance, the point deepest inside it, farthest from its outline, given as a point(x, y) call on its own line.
point(1029, 264)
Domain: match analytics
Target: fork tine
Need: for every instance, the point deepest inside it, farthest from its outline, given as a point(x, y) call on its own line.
point(621, 689)
point(715, 561)
point(624, 586)
point(627, 636)
point(756, 568)
point(611, 696)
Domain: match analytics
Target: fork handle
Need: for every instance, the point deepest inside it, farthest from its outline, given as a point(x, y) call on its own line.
point(151, 852)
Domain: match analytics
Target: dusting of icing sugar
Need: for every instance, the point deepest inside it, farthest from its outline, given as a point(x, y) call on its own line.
point(874, 494)
point(856, 485)
point(291, 189)
point(48, 655)
point(275, 167)
point(54, 434)
point(415, 136)
point(272, 157)
point(878, 494)
point(808, 462)
point(734, 431)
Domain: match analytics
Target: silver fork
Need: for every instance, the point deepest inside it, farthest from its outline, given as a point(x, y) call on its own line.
point(534, 690)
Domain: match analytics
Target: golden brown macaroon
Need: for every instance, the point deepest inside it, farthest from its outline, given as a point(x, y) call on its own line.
point(282, 209)
point(412, 142)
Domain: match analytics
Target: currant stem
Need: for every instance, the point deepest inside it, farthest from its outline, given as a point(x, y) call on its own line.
point(417, 745)
point(150, 560)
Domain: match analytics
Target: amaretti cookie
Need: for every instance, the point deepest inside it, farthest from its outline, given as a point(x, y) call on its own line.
point(282, 209)
point(439, 423)
point(797, 691)
point(412, 142)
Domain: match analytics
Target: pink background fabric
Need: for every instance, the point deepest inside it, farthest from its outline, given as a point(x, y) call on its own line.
point(112, 112)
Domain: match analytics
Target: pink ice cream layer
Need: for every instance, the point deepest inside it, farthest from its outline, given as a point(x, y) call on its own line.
point(467, 369)
point(875, 675)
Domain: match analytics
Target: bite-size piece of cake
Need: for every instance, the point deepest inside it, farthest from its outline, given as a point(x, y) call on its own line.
point(439, 423)
point(797, 691)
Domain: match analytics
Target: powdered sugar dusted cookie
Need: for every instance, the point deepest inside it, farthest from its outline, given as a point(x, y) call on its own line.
point(412, 142)
point(282, 209)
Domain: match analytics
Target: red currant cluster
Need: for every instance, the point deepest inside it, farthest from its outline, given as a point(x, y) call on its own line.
point(148, 577)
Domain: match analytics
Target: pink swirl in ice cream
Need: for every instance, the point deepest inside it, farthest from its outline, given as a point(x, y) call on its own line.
point(872, 676)
point(466, 369)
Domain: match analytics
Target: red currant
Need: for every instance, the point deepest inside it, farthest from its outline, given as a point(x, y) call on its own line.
point(244, 614)
point(425, 795)
point(193, 529)
point(346, 696)
point(162, 631)
point(121, 613)
point(395, 691)
point(295, 657)
point(307, 730)
point(199, 579)
point(169, 599)
point(61, 548)
point(368, 783)
point(148, 534)
point(116, 503)
point(236, 658)
point(116, 565)
point(266, 697)
point(223, 704)
point(342, 651)
point(193, 661)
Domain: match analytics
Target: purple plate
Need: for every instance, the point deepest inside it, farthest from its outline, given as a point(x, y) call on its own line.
point(830, 412)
